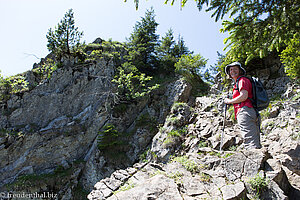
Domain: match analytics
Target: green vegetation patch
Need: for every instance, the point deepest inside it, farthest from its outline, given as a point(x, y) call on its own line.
point(12, 85)
point(146, 120)
point(173, 135)
point(47, 69)
point(113, 145)
point(188, 164)
point(258, 184)
point(205, 178)
point(58, 177)
point(108, 137)
point(6, 132)
point(126, 186)
point(291, 57)
point(203, 144)
point(177, 105)
point(143, 156)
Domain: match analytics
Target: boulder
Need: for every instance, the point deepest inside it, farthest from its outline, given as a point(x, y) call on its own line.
point(157, 187)
point(234, 192)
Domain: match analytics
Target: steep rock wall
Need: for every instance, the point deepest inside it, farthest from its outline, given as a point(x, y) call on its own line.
point(53, 129)
point(58, 120)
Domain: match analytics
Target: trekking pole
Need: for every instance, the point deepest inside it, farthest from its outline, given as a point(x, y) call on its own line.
point(222, 136)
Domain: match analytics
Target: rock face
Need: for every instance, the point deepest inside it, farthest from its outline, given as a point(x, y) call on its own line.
point(167, 144)
point(141, 122)
point(58, 119)
point(56, 125)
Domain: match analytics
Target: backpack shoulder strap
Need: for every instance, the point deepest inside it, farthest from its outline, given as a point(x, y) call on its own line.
point(237, 83)
point(253, 87)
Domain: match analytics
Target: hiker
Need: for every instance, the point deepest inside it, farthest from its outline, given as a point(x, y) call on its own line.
point(247, 117)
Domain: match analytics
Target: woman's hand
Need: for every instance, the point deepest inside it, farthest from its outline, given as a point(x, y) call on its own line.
point(242, 97)
point(227, 101)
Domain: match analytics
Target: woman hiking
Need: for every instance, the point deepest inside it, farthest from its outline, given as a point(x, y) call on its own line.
point(247, 117)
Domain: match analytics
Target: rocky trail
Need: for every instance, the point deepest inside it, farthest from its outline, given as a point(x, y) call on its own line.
point(191, 167)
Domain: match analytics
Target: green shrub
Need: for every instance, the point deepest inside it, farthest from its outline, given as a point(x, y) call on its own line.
point(95, 54)
point(258, 184)
point(232, 148)
point(108, 137)
point(108, 50)
point(35, 180)
point(174, 134)
point(213, 153)
point(171, 119)
point(176, 176)
point(190, 66)
point(205, 177)
point(15, 84)
point(178, 105)
point(143, 156)
point(296, 97)
point(47, 69)
point(4, 88)
point(6, 132)
point(227, 155)
point(290, 56)
point(132, 85)
point(296, 136)
point(188, 164)
point(203, 144)
point(161, 128)
point(92, 46)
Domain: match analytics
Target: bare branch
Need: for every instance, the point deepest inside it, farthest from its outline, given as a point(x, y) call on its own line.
point(30, 54)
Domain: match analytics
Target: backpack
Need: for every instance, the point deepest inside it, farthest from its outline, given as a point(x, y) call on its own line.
point(260, 98)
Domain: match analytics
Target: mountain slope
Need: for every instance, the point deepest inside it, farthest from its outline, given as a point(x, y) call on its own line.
point(189, 166)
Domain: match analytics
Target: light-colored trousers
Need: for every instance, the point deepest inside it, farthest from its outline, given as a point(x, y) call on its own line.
point(248, 122)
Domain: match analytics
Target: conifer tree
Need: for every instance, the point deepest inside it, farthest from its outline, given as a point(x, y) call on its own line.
point(132, 77)
point(167, 44)
point(169, 51)
point(64, 40)
point(165, 52)
point(256, 28)
point(180, 48)
point(142, 43)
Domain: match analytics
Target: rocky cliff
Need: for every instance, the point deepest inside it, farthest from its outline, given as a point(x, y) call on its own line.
point(163, 146)
point(50, 134)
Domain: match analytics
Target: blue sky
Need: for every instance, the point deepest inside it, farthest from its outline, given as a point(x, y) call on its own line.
point(25, 23)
